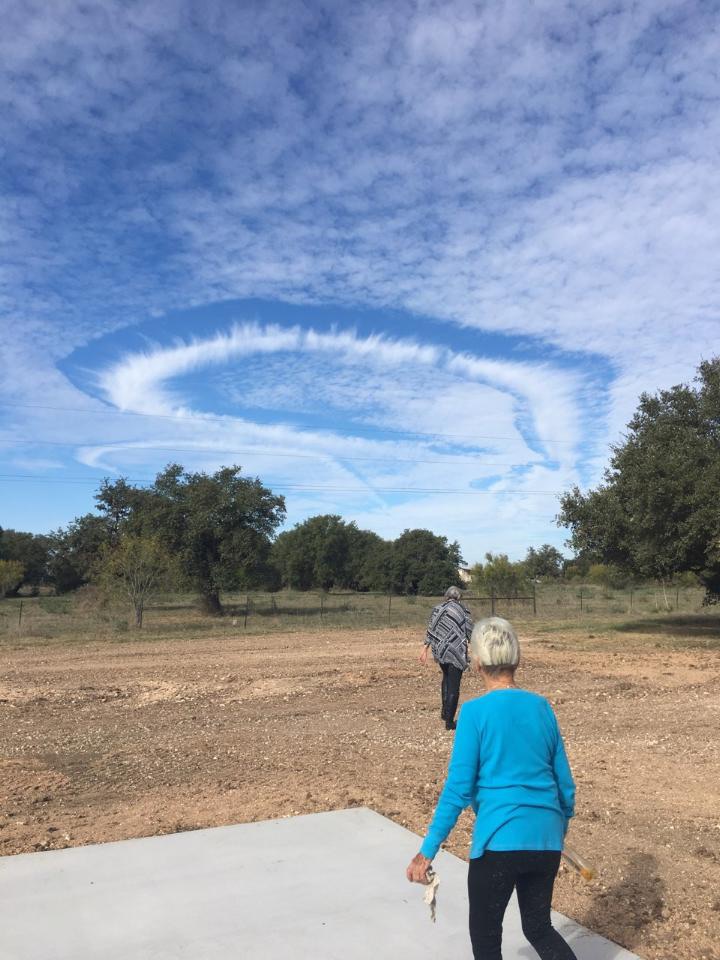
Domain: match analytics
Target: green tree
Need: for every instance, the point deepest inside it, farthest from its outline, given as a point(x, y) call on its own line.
point(371, 562)
point(74, 550)
point(325, 552)
point(117, 501)
point(218, 526)
point(12, 574)
point(317, 554)
point(136, 567)
point(545, 563)
point(29, 549)
point(500, 575)
point(424, 563)
point(657, 512)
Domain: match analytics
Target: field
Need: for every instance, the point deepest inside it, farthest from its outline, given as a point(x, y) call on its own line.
point(85, 616)
point(105, 736)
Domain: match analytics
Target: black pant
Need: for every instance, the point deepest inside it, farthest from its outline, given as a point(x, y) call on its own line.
point(491, 880)
point(450, 690)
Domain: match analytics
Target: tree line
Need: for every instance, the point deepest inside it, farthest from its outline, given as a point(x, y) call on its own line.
point(214, 533)
point(656, 515)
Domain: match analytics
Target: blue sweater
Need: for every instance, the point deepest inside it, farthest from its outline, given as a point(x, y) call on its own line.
point(509, 764)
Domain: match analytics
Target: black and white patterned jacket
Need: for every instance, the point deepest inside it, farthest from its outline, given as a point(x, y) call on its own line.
point(448, 633)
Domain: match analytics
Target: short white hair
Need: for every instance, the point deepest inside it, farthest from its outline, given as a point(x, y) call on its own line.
point(452, 593)
point(494, 645)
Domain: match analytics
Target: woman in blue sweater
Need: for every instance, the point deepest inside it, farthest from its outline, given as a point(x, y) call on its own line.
point(509, 764)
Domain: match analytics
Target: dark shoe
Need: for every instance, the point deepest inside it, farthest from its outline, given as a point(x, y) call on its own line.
point(450, 725)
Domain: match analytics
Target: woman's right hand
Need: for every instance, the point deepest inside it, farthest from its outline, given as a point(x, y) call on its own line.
point(424, 655)
point(418, 868)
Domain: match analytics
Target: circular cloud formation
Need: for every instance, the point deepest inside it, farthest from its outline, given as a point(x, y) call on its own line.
point(140, 381)
point(389, 432)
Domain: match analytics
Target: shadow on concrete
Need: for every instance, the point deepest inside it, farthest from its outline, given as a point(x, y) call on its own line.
point(623, 911)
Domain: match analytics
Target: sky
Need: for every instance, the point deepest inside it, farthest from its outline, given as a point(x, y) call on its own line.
point(408, 262)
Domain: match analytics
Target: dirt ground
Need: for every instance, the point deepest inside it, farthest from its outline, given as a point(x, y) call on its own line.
point(109, 741)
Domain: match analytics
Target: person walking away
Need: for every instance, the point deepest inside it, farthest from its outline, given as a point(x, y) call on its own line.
point(448, 633)
point(509, 764)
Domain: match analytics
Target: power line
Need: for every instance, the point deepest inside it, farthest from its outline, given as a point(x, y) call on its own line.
point(120, 446)
point(227, 421)
point(11, 477)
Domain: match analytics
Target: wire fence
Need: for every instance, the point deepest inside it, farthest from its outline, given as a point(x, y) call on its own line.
point(372, 607)
point(88, 617)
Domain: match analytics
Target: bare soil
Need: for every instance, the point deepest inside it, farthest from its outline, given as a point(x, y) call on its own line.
point(108, 741)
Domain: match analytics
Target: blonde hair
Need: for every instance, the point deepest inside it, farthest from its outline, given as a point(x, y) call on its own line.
point(494, 645)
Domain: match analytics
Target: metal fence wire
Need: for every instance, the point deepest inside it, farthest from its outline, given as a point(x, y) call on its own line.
point(69, 616)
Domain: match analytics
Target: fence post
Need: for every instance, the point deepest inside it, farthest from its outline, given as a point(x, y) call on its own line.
point(389, 605)
point(631, 598)
point(247, 608)
point(322, 605)
point(534, 600)
point(20, 615)
point(581, 598)
point(492, 601)
point(677, 598)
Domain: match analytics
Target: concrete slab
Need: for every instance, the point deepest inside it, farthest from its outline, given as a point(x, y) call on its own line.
point(328, 887)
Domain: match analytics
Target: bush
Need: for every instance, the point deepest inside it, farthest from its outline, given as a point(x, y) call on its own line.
point(686, 580)
point(607, 575)
point(500, 575)
point(11, 576)
point(90, 599)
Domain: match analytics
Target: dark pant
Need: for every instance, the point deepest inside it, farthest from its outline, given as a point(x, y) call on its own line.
point(491, 880)
point(452, 676)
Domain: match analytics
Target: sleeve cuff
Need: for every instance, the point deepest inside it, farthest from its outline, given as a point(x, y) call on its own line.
point(429, 849)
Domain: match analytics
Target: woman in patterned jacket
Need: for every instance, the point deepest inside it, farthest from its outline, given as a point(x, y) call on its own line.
point(448, 633)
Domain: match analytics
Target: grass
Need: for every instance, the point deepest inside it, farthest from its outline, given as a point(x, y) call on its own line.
point(68, 619)
point(690, 630)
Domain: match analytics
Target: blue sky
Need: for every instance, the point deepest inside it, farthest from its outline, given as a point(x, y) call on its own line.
point(408, 262)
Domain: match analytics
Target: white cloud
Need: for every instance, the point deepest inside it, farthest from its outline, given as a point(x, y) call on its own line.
point(409, 387)
point(137, 382)
point(546, 171)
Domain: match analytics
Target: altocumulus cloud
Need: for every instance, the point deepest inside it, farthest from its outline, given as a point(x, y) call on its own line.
point(546, 171)
point(487, 424)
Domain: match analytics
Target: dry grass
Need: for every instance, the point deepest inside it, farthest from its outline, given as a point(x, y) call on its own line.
point(86, 618)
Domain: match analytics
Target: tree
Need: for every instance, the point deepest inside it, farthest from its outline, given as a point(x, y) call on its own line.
point(12, 573)
point(74, 551)
point(371, 563)
point(218, 526)
point(29, 549)
point(116, 503)
point(499, 575)
point(545, 563)
point(424, 563)
point(578, 567)
point(657, 512)
point(137, 567)
point(315, 553)
point(325, 552)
